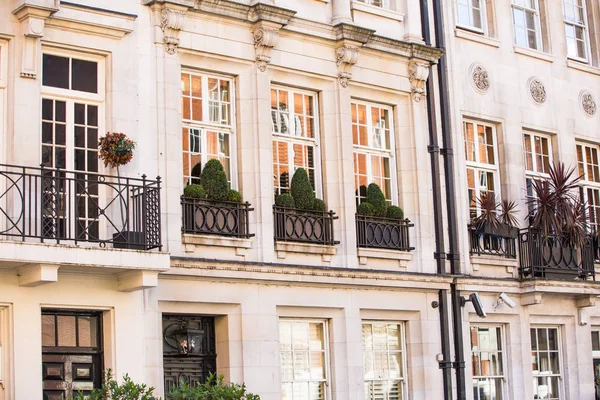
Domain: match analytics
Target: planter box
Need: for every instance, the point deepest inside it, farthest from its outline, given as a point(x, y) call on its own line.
point(129, 240)
point(502, 230)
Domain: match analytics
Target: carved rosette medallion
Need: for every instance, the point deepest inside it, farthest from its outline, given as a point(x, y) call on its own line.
point(587, 103)
point(345, 57)
point(171, 22)
point(537, 90)
point(264, 38)
point(480, 78)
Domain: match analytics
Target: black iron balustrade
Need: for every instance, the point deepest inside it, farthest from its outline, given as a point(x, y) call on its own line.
point(490, 244)
point(294, 225)
point(554, 257)
point(55, 205)
point(383, 233)
point(223, 218)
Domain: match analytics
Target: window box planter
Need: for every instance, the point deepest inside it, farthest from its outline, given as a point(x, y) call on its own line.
point(295, 225)
point(383, 233)
point(224, 218)
point(499, 231)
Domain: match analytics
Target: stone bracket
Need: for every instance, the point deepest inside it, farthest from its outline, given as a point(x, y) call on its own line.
point(137, 280)
point(265, 35)
point(346, 56)
point(37, 274)
point(418, 72)
point(530, 299)
point(170, 18)
point(585, 301)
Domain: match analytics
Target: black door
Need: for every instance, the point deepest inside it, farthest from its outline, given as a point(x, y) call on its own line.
point(71, 353)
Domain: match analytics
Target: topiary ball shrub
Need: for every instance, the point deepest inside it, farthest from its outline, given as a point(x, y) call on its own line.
point(365, 209)
point(214, 181)
point(195, 174)
point(319, 206)
point(302, 190)
point(285, 200)
point(395, 212)
point(194, 191)
point(377, 199)
point(235, 196)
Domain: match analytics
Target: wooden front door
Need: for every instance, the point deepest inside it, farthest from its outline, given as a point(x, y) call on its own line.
point(71, 353)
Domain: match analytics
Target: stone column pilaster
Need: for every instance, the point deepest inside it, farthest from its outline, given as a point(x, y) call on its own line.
point(342, 12)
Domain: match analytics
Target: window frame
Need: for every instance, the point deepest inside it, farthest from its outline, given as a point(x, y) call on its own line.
point(370, 150)
point(502, 378)
point(385, 4)
point(205, 125)
point(482, 14)
point(587, 184)
point(537, 21)
point(531, 175)
point(293, 139)
point(586, 32)
point(326, 351)
point(477, 166)
point(403, 350)
point(3, 96)
point(561, 389)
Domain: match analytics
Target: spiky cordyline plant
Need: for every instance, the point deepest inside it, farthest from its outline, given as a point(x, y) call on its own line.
point(508, 213)
point(494, 213)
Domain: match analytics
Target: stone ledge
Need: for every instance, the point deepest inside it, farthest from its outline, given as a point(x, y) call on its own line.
point(476, 37)
point(581, 66)
point(326, 251)
point(540, 55)
point(241, 245)
point(403, 257)
point(487, 260)
point(378, 11)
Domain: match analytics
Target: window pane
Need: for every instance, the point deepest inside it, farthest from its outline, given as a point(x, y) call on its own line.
point(66, 331)
point(48, 331)
point(85, 76)
point(55, 71)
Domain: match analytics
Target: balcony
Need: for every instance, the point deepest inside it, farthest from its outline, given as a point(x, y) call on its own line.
point(302, 226)
point(106, 221)
point(487, 244)
point(383, 233)
point(554, 257)
point(224, 218)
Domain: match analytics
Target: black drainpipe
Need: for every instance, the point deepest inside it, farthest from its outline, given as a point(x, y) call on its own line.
point(439, 255)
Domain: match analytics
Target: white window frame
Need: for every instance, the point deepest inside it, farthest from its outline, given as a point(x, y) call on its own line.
point(479, 166)
point(404, 379)
point(3, 86)
point(502, 378)
point(584, 26)
point(325, 323)
point(586, 183)
point(206, 125)
point(482, 15)
point(292, 139)
point(561, 390)
point(385, 4)
point(531, 175)
point(537, 22)
point(370, 150)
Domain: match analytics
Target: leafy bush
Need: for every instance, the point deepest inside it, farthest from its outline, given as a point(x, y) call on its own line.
point(319, 206)
point(214, 181)
point(285, 200)
point(112, 390)
point(194, 191)
point(235, 196)
point(301, 190)
point(395, 212)
point(365, 209)
point(377, 199)
point(196, 173)
point(213, 389)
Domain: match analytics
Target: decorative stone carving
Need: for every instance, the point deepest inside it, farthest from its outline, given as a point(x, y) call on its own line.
point(480, 78)
point(417, 74)
point(345, 57)
point(587, 103)
point(537, 90)
point(171, 22)
point(265, 37)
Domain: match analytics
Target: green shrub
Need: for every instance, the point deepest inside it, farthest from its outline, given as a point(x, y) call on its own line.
point(319, 206)
point(213, 389)
point(301, 190)
point(395, 212)
point(365, 209)
point(111, 389)
point(285, 200)
point(235, 196)
point(377, 199)
point(196, 174)
point(194, 191)
point(214, 181)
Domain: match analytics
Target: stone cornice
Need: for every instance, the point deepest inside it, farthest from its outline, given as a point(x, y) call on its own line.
point(250, 13)
point(406, 49)
point(573, 288)
point(271, 13)
point(354, 33)
point(183, 3)
point(30, 10)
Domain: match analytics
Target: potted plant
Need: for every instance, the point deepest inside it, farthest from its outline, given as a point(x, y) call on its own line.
point(115, 150)
point(496, 218)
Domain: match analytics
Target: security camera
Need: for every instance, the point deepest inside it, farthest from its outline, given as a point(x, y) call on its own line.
point(503, 298)
point(477, 304)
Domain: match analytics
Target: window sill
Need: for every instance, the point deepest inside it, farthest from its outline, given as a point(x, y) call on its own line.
point(326, 252)
point(476, 37)
point(190, 241)
point(403, 257)
point(579, 65)
point(381, 12)
point(540, 55)
point(478, 261)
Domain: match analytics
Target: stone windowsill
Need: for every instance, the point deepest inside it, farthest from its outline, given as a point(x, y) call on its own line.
point(379, 11)
point(325, 251)
point(486, 260)
point(540, 55)
point(403, 257)
point(476, 37)
point(583, 67)
point(241, 245)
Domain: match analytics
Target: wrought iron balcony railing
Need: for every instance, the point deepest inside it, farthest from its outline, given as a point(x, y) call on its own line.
point(223, 218)
point(554, 257)
point(383, 233)
point(294, 225)
point(72, 207)
point(490, 244)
